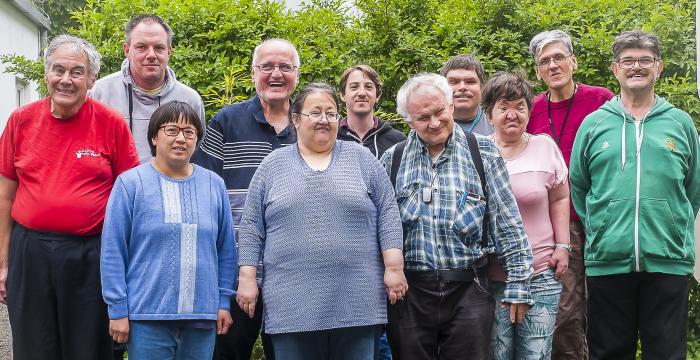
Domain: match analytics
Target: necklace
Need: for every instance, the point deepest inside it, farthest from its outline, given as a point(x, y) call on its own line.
point(517, 149)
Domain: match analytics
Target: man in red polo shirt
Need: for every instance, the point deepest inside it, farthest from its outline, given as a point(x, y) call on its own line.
point(59, 158)
point(559, 112)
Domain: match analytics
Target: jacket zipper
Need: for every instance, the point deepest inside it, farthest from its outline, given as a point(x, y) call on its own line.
point(636, 205)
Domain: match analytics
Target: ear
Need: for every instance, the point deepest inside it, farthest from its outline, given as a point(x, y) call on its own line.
point(126, 50)
point(660, 69)
point(296, 120)
point(573, 58)
point(537, 72)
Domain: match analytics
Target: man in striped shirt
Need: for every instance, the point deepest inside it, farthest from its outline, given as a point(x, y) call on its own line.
point(236, 141)
point(448, 311)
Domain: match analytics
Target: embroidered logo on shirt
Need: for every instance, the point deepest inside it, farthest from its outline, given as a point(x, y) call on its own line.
point(86, 152)
point(604, 145)
point(670, 144)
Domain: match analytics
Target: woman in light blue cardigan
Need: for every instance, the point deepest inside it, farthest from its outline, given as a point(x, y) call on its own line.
point(168, 259)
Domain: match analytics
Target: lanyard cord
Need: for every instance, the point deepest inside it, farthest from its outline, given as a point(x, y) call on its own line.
point(557, 139)
point(476, 119)
point(131, 109)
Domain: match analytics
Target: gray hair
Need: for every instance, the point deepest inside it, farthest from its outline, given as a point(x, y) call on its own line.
point(296, 60)
point(78, 45)
point(420, 81)
point(636, 39)
point(147, 19)
point(547, 37)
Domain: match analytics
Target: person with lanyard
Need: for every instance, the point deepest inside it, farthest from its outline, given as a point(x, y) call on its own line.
point(466, 77)
point(559, 112)
point(145, 81)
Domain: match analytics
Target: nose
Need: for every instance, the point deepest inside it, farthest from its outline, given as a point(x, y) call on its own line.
point(150, 53)
point(434, 122)
point(510, 114)
point(180, 137)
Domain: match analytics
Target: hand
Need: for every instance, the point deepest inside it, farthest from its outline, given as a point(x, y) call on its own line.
point(559, 261)
point(3, 285)
point(517, 312)
point(247, 295)
point(395, 283)
point(223, 322)
point(119, 330)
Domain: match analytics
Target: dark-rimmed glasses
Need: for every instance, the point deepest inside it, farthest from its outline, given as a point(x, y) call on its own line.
point(645, 62)
point(173, 130)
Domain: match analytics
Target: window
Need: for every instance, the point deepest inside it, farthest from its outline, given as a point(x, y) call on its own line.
point(22, 91)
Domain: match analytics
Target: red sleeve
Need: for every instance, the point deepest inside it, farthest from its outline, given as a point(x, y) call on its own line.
point(125, 154)
point(7, 150)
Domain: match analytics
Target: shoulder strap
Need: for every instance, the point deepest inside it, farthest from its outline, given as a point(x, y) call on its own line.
point(396, 161)
point(479, 165)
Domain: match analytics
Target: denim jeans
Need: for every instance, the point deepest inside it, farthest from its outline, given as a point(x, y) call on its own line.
point(359, 342)
point(163, 341)
point(531, 339)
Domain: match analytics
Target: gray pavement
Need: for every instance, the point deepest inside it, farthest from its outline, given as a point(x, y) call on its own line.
point(5, 335)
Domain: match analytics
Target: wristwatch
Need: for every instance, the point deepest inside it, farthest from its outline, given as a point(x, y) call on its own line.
point(564, 246)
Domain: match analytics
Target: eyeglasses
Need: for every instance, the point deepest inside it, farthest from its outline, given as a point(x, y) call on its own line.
point(173, 130)
point(644, 62)
point(269, 68)
point(318, 117)
point(558, 59)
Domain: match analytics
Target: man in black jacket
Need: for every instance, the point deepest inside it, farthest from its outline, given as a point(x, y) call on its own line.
point(360, 89)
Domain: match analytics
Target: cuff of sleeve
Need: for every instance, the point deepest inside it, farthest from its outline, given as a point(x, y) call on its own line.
point(225, 301)
point(518, 293)
point(247, 257)
point(118, 311)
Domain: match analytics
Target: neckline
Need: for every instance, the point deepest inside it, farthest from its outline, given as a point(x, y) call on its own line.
point(334, 151)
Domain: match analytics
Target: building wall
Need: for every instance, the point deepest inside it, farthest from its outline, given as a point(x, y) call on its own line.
point(18, 35)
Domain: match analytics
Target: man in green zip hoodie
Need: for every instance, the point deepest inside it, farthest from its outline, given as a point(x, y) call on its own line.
point(635, 181)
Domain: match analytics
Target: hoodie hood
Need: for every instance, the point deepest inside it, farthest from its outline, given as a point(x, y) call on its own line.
point(616, 107)
point(145, 98)
point(378, 139)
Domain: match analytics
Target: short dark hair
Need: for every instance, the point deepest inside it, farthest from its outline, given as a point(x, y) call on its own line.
point(169, 113)
point(316, 87)
point(464, 62)
point(147, 18)
point(506, 86)
point(370, 73)
point(636, 39)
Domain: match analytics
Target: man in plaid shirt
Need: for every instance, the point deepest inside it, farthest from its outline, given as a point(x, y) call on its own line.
point(448, 311)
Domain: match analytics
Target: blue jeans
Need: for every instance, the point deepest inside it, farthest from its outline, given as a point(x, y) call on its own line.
point(160, 340)
point(531, 339)
point(359, 342)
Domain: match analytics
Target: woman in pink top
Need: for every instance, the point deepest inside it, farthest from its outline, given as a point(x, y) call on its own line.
point(538, 176)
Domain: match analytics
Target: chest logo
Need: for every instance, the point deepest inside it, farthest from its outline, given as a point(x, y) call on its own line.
point(670, 144)
point(86, 152)
point(604, 145)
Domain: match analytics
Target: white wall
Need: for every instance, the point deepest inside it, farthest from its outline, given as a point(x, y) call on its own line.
point(18, 35)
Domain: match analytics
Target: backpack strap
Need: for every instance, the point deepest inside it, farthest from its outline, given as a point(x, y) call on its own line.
point(479, 165)
point(396, 161)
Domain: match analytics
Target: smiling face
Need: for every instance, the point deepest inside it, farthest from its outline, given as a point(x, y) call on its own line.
point(67, 80)
point(557, 75)
point(174, 151)
point(277, 86)
point(637, 79)
point(360, 94)
point(510, 118)
point(148, 53)
point(466, 92)
point(317, 136)
point(431, 117)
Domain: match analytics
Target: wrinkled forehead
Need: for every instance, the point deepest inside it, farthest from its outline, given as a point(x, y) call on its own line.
point(68, 56)
point(276, 51)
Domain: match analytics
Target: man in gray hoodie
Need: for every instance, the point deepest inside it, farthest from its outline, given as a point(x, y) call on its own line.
point(145, 81)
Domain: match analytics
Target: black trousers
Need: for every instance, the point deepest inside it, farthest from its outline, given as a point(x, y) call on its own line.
point(652, 306)
point(54, 297)
point(442, 319)
point(238, 343)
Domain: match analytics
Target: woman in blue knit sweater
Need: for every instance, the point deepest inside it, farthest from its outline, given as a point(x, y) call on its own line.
point(322, 215)
point(168, 259)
